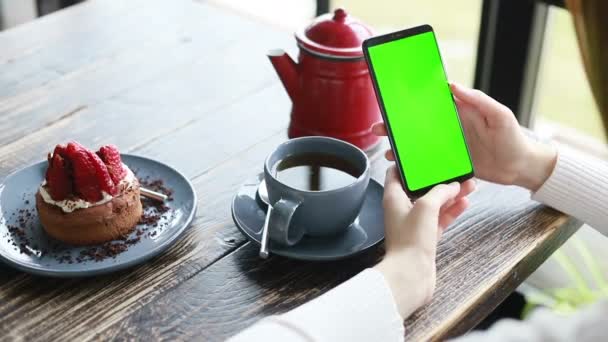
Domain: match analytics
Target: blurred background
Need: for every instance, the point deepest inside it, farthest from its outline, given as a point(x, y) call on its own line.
point(562, 107)
point(562, 101)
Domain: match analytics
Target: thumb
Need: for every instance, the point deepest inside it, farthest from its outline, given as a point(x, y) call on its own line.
point(424, 229)
point(439, 195)
point(394, 196)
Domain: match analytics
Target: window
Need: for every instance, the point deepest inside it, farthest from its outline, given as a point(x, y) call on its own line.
point(564, 103)
point(456, 22)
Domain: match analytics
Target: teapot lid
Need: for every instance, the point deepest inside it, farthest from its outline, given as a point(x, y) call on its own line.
point(336, 35)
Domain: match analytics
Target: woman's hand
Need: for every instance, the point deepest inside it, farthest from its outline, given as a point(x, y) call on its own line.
point(501, 152)
point(411, 235)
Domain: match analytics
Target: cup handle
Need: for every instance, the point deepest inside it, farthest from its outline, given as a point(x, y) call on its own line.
point(279, 223)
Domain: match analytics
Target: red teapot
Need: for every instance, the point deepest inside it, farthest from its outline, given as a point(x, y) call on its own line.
point(330, 87)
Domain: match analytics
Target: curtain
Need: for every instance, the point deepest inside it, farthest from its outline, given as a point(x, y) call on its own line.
point(591, 24)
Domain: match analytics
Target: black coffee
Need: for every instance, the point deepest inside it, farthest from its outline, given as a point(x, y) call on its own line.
point(316, 172)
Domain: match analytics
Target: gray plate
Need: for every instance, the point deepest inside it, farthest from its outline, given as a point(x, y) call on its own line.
point(248, 212)
point(18, 191)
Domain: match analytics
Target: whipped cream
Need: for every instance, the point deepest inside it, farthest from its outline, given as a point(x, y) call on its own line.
point(69, 205)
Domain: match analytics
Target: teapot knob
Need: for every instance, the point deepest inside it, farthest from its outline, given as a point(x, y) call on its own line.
point(340, 14)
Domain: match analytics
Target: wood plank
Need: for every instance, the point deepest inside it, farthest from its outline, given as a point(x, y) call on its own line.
point(70, 309)
point(151, 110)
point(171, 69)
point(198, 103)
point(158, 37)
point(481, 259)
point(66, 305)
point(211, 236)
point(469, 291)
point(27, 38)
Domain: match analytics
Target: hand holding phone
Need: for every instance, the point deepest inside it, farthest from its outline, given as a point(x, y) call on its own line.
point(500, 150)
point(418, 109)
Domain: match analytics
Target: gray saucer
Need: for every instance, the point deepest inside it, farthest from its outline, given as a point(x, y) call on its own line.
point(18, 191)
point(248, 212)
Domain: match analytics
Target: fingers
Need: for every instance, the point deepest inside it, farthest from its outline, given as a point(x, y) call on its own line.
point(463, 107)
point(389, 155)
point(379, 129)
point(394, 196)
point(486, 106)
point(451, 213)
point(440, 195)
point(466, 188)
point(454, 207)
point(470, 118)
point(424, 218)
point(472, 97)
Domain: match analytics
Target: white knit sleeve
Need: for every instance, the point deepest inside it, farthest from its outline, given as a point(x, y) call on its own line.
point(578, 186)
point(360, 309)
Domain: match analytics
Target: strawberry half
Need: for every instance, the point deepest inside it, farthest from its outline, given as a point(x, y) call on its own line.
point(111, 157)
point(61, 150)
point(58, 177)
point(103, 176)
point(90, 173)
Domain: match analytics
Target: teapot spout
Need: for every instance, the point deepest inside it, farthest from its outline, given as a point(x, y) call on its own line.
point(287, 70)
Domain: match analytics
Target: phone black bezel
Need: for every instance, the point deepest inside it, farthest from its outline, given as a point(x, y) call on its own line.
point(396, 36)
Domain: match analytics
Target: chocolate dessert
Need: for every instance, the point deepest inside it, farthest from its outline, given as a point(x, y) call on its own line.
point(88, 198)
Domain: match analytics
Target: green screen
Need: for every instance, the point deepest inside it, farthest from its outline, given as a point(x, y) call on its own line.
point(420, 110)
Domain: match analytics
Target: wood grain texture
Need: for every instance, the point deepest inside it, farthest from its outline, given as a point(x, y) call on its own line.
point(189, 84)
point(484, 256)
point(198, 248)
point(169, 62)
point(212, 235)
point(70, 309)
point(208, 108)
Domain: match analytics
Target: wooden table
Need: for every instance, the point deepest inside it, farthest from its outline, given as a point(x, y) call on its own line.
point(188, 83)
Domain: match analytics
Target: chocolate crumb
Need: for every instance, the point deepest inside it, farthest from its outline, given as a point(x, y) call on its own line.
point(24, 225)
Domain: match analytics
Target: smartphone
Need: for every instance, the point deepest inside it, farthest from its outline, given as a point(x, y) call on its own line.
point(418, 108)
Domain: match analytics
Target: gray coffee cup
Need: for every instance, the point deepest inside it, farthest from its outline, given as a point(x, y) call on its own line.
point(315, 213)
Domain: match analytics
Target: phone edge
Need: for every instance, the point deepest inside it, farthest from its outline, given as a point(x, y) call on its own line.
point(399, 35)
